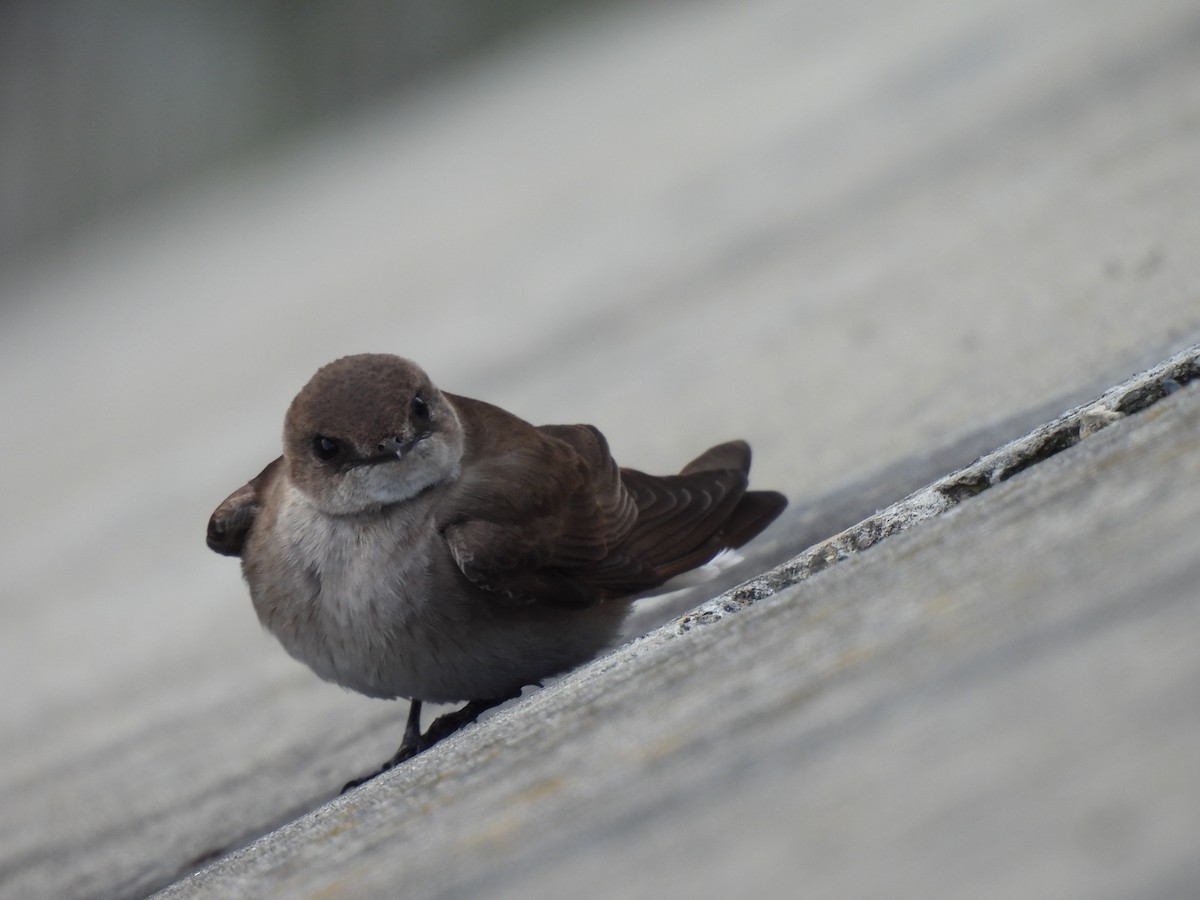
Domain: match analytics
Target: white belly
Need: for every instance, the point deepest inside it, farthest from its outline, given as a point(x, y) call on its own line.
point(376, 605)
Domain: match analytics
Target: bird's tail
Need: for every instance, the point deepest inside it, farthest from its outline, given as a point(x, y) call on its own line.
point(684, 520)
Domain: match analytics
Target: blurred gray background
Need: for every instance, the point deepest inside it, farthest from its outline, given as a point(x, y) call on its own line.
point(104, 104)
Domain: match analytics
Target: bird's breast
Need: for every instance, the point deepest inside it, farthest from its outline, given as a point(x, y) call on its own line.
point(348, 596)
point(377, 605)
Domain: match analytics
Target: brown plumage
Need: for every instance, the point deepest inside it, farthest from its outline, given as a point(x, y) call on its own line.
point(416, 543)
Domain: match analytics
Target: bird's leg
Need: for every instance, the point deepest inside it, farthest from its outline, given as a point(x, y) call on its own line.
point(410, 746)
point(445, 725)
point(442, 727)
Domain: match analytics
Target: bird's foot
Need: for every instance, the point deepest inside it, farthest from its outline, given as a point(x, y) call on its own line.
point(441, 728)
point(406, 752)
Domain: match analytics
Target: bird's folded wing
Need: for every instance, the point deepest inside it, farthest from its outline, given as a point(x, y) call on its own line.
point(530, 522)
point(230, 523)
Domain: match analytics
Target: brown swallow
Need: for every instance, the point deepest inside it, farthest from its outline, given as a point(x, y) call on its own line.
point(414, 543)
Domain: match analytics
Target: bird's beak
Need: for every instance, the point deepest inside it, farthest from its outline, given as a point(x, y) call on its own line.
point(398, 446)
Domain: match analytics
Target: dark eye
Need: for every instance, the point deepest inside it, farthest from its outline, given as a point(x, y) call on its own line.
point(420, 409)
point(325, 449)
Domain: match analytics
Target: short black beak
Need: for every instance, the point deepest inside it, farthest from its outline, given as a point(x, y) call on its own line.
point(393, 448)
point(396, 446)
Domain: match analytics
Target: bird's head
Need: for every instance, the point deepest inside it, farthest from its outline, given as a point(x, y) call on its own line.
point(368, 431)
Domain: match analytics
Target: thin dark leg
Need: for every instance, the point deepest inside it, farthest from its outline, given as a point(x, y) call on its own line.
point(445, 725)
point(410, 746)
point(442, 727)
point(412, 734)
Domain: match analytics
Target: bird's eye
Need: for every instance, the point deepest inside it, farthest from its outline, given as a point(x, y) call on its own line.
point(420, 409)
point(325, 449)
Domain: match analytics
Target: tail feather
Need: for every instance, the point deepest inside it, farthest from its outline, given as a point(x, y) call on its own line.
point(678, 513)
point(684, 520)
point(730, 455)
point(755, 511)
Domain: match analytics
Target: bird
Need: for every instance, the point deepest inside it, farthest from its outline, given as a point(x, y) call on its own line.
point(412, 543)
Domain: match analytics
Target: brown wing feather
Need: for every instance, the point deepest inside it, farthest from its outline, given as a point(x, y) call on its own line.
point(230, 523)
point(683, 522)
point(546, 515)
point(534, 508)
point(678, 513)
point(686, 519)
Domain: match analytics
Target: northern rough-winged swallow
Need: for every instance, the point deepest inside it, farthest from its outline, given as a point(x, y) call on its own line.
point(413, 543)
